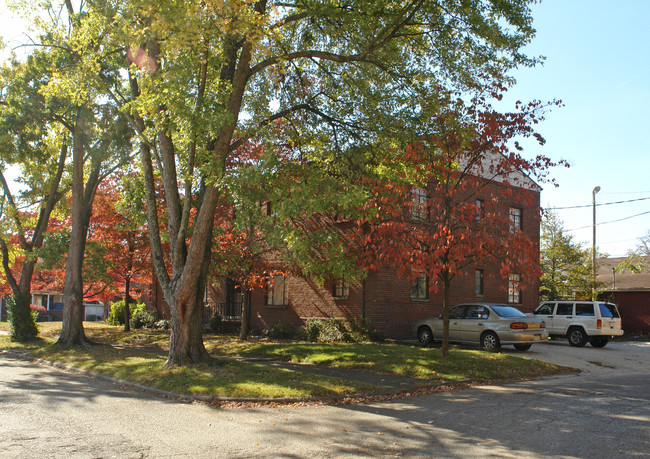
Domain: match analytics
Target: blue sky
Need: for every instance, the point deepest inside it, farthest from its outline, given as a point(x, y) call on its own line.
point(598, 63)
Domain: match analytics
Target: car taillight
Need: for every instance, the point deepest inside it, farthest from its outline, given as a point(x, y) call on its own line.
point(599, 323)
point(542, 324)
point(519, 325)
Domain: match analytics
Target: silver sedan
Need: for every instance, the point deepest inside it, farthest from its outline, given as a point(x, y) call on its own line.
point(488, 325)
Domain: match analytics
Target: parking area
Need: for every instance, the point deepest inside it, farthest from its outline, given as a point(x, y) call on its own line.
point(618, 357)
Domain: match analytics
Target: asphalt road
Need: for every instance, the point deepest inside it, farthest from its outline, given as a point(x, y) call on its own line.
point(603, 412)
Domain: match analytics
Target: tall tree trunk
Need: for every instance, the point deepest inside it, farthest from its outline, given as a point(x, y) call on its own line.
point(446, 284)
point(184, 290)
point(245, 310)
point(127, 312)
point(72, 331)
point(186, 336)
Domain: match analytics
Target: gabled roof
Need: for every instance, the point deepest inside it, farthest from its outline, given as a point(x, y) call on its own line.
point(515, 176)
point(623, 278)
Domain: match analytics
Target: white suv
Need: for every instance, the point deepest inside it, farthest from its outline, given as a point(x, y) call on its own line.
point(581, 321)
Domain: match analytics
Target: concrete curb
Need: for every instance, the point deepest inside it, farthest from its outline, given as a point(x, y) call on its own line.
point(332, 400)
point(91, 374)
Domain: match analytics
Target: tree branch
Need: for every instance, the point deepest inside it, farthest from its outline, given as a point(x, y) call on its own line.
point(380, 40)
point(14, 211)
point(5, 264)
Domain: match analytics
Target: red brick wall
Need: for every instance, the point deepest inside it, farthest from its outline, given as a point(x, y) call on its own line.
point(307, 300)
point(387, 301)
point(392, 311)
point(635, 311)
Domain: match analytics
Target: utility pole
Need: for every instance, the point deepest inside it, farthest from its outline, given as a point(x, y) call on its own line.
point(593, 245)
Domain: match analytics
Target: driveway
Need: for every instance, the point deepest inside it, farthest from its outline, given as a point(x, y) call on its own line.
point(602, 412)
point(617, 358)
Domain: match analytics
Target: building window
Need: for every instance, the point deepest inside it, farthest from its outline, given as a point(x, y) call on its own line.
point(277, 292)
point(478, 282)
point(419, 204)
point(515, 219)
point(479, 210)
point(420, 287)
point(514, 295)
point(341, 288)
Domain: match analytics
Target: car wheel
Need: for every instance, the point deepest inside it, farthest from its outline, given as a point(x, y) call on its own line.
point(522, 347)
point(489, 340)
point(598, 341)
point(425, 335)
point(577, 337)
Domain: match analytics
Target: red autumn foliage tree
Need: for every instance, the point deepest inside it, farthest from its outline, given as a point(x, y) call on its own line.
point(118, 227)
point(277, 221)
point(241, 254)
point(444, 209)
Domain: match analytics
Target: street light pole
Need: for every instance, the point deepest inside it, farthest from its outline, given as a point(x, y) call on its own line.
point(593, 245)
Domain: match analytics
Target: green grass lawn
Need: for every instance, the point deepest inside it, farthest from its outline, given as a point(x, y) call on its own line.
point(139, 356)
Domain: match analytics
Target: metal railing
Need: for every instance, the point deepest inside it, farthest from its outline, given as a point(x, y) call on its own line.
point(227, 311)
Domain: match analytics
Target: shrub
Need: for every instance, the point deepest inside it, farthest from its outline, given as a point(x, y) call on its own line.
point(283, 330)
point(142, 318)
point(162, 324)
point(326, 331)
point(116, 315)
point(336, 330)
point(216, 322)
point(362, 330)
point(22, 322)
point(311, 330)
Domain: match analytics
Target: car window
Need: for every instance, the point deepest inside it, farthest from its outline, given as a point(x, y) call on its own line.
point(477, 312)
point(564, 309)
point(546, 308)
point(608, 310)
point(456, 312)
point(584, 309)
point(507, 311)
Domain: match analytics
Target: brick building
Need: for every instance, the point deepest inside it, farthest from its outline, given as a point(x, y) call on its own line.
point(390, 303)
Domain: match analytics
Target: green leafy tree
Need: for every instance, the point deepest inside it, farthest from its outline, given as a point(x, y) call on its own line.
point(637, 259)
point(566, 264)
point(32, 144)
point(81, 65)
point(328, 88)
point(340, 84)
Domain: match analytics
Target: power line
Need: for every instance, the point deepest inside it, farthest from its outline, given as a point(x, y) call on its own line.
point(597, 205)
point(624, 192)
point(611, 221)
point(620, 240)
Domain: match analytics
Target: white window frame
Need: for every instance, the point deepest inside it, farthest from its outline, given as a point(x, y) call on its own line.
point(277, 292)
point(515, 214)
point(341, 288)
point(479, 210)
point(419, 204)
point(514, 293)
point(479, 284)
point(420, 287)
